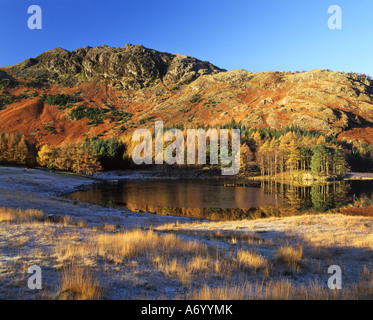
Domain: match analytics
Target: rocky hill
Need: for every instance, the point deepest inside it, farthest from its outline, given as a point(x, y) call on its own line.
point(103, 91)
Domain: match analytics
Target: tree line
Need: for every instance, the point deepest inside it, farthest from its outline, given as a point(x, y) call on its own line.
point(88, 157)
point(272, 152)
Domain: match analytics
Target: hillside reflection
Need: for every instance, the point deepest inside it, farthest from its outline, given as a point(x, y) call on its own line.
point(223, 200)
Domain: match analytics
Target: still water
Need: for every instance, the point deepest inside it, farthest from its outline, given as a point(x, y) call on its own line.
point(223, 199)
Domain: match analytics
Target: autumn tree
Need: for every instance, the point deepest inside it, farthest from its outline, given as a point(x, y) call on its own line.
point(46, 156)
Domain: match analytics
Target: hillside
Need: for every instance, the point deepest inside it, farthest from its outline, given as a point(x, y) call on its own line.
point(109, 92)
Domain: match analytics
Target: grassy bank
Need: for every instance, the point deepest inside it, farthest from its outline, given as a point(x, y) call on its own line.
point(276, 258)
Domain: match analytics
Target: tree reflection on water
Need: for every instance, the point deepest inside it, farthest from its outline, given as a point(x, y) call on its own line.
point(218, 200)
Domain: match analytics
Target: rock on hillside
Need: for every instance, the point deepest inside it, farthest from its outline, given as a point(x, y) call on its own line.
point(131, 66)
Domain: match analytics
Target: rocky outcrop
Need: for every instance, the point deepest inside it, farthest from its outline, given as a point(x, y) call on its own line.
point(132, 67)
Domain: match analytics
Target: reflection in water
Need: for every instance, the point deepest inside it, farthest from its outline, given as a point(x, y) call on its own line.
point(222, 200)
point(320, 198)
point(326, 197)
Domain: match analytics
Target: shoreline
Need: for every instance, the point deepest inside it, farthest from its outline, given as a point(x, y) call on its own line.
point(356, 176)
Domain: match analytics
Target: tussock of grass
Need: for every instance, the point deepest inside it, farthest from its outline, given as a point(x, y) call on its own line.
point(8, 214)
point(174, 268)
point(289, 256)
point(251, 260)
point(78, 284)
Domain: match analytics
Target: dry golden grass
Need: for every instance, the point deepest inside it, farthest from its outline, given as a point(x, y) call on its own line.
point(272, 290)
point(289, 256)
point(367, 273)
point(120, 246)
point(286, 290)
point(221, 293)
point(168, 254)
point(78, 284)
point(200, 264)
point(281, 290)
point(36, 216)
point(174, 268)
point(251, 260)
point(173, 256)
point(8, 214)
point(80, 253)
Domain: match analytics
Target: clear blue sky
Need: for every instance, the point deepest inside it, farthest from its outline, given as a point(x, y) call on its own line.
point(253, 35)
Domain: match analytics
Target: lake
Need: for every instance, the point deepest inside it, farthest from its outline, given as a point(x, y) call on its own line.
point(222, 199)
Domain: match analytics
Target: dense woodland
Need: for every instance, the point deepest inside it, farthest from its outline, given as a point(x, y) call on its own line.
point(275, 153)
